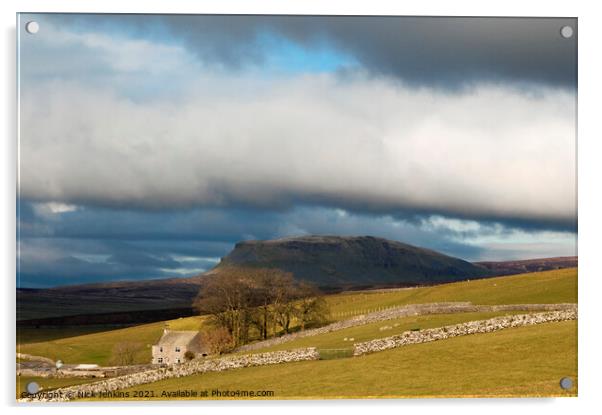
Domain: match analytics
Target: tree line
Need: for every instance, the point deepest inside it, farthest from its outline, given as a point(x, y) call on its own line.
point(265, 299)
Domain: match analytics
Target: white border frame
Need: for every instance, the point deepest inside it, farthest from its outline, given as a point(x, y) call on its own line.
point(590, 205)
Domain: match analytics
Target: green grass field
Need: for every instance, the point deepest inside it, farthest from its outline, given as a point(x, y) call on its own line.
point(524, 361)
point(97, 347)
point(36, 335)
point(558, 286)
point(335, 339)
point(91, 345)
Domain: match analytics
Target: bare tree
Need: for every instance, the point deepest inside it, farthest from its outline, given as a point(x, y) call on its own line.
point(271, 288)
point(311, 308)
point(238, 298)
point(124, 353)
point(227, 297)
point(216, 340)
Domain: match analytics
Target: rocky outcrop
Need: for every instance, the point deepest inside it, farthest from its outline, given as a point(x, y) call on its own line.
point(343, 261)
point(107, 387)
point(462, 329)
point(404, 311)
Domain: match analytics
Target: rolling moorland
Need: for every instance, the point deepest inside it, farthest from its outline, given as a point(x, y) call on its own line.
point(517, 361)
point(334, 264)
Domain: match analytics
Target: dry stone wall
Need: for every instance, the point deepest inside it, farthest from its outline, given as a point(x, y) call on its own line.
point(104, 388)
point(404, 311)
point(462, 329)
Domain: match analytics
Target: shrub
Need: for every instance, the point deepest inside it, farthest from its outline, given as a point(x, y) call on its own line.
point(217, 340)
point(189, 355)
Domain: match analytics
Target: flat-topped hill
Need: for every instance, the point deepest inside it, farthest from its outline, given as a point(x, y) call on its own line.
point(358, 260)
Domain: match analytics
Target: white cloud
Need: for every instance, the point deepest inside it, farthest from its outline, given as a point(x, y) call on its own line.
point(61, 207)
point(506, 251)
point(352, 142)
point(436, 222)
point(50, 209)
point(184, 272)
point(184, 258)
point(93, 258)
point(100, 51)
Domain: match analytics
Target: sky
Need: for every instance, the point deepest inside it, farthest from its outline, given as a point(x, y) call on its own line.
point(151, 144)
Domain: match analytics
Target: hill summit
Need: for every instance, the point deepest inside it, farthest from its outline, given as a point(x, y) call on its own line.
point(335, 261)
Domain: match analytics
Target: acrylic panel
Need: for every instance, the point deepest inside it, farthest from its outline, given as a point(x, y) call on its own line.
point(295, 207)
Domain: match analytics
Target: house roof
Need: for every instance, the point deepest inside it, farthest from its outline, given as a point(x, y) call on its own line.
point(177, 338)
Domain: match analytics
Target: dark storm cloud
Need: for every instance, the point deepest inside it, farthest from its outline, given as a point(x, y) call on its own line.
point(50, 261)
point(208, 225)
point(448, 52)
point(212, 231)
point(94, 244)
point(150, 145)
point(58, 261)
point(416, 216)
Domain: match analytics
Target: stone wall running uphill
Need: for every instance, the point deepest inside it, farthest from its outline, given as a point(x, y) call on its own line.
point(462, 329)
point(403, 311)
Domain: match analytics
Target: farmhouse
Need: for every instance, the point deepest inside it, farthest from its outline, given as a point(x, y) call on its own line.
point(173, 346)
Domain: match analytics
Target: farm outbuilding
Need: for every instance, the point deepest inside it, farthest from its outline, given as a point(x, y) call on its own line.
point(173, 345)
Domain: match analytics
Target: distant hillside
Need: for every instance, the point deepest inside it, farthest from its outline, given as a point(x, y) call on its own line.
point(113, 297)
point(332, 262)
point(335, 261)
point(529, 265)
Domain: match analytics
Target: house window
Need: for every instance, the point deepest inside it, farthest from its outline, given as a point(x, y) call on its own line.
point(177, 360)
point(161, 349)
point(160, 360)
point(178, 349)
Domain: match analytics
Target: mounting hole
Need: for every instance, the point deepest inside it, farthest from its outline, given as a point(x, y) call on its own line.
point(32, 27)
point(566, 383)
point(566, 32)
point(33, 388)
